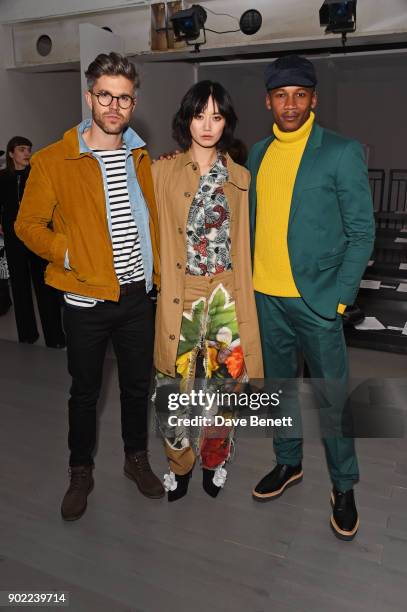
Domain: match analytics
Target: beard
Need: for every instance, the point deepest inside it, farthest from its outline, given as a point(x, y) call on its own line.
point(101, 122)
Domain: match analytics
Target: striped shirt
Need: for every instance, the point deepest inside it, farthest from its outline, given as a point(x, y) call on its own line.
point(127, 258)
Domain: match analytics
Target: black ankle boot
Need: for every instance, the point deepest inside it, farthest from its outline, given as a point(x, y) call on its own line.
point(182, 483)
point(208, 483)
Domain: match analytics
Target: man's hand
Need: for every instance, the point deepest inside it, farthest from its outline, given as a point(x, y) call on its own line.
point(153, 294)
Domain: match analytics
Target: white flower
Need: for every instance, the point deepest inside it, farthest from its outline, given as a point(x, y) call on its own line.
point(170, 483)
point(219, 477)
point(224, 336)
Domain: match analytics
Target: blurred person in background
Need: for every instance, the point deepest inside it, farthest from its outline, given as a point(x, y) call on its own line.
point(26, 268)
point(5, 300)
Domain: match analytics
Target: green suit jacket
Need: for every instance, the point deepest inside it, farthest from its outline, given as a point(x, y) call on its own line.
point(331, 226)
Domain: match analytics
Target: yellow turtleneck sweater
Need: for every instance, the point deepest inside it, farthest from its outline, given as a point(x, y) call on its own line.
point(275, 185)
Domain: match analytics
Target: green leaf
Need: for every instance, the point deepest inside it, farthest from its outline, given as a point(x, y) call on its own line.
point(221, 315)
point(217, 303)
point(191, 329)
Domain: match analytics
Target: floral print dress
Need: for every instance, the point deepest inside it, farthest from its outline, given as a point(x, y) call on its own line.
point(208, 241)
point(209, 355)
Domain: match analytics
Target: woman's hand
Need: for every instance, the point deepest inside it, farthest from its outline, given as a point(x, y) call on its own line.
point(170, 155)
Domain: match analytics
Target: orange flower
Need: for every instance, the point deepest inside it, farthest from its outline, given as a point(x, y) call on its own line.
point(212, 361)
point(235, 362)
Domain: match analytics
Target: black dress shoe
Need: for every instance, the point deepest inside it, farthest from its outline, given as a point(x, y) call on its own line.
point(344, 518)
point(181, 483)
point(276, 482)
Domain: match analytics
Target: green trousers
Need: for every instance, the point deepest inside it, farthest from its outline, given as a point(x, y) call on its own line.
point(289, 327)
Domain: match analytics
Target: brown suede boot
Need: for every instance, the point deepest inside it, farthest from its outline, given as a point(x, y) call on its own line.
point(75, 499)
point(137, 468)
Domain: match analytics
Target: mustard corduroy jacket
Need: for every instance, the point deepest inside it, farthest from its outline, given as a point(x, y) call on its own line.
point(64, 209)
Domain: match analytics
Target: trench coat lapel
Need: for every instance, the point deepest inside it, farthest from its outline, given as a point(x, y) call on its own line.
point(236, 179)
point(189, 179)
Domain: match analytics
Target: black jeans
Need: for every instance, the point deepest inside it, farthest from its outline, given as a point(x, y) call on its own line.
point(130, 325)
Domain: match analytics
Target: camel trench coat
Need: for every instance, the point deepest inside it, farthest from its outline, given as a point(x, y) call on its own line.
point(176, 182)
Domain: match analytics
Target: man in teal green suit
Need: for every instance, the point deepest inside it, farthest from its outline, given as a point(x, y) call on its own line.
point(312, 230)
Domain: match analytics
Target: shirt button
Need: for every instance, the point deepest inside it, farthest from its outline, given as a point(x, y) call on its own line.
point(187, 194)
point(179, 266)
point(172, 337)
point(179, 230)
point(194, 167)
point(168, 371)
point(176, 300)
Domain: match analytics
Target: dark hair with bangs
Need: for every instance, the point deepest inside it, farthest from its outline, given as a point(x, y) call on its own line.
point(16, 141)
point(193, 103)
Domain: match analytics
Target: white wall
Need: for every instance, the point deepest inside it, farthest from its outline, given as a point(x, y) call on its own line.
point(39, 106)
point(18, 10)
point(162, 87)
point(363, 97)
point(287, 24)
point(42, 106)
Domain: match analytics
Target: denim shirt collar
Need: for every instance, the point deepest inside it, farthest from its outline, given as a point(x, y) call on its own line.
point(130, 138)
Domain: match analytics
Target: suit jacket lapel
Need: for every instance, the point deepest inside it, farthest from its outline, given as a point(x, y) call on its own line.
point(307, 162)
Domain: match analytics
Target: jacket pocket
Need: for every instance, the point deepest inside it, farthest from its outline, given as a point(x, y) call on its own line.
point(74, 265)
point(331, 261)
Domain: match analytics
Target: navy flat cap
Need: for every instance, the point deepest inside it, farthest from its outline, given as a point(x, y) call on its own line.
point(290, 70)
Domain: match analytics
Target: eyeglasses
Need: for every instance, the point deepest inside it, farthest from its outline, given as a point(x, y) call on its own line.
point(105, 99)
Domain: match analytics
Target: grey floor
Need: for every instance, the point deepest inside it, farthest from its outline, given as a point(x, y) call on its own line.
point(129, 553)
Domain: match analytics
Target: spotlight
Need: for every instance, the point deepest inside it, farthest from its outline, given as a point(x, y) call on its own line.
point(187, 24)
point(338, 17)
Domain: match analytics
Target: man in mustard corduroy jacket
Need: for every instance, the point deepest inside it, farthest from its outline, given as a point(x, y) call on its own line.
point(312, 230)
point(89, 209)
